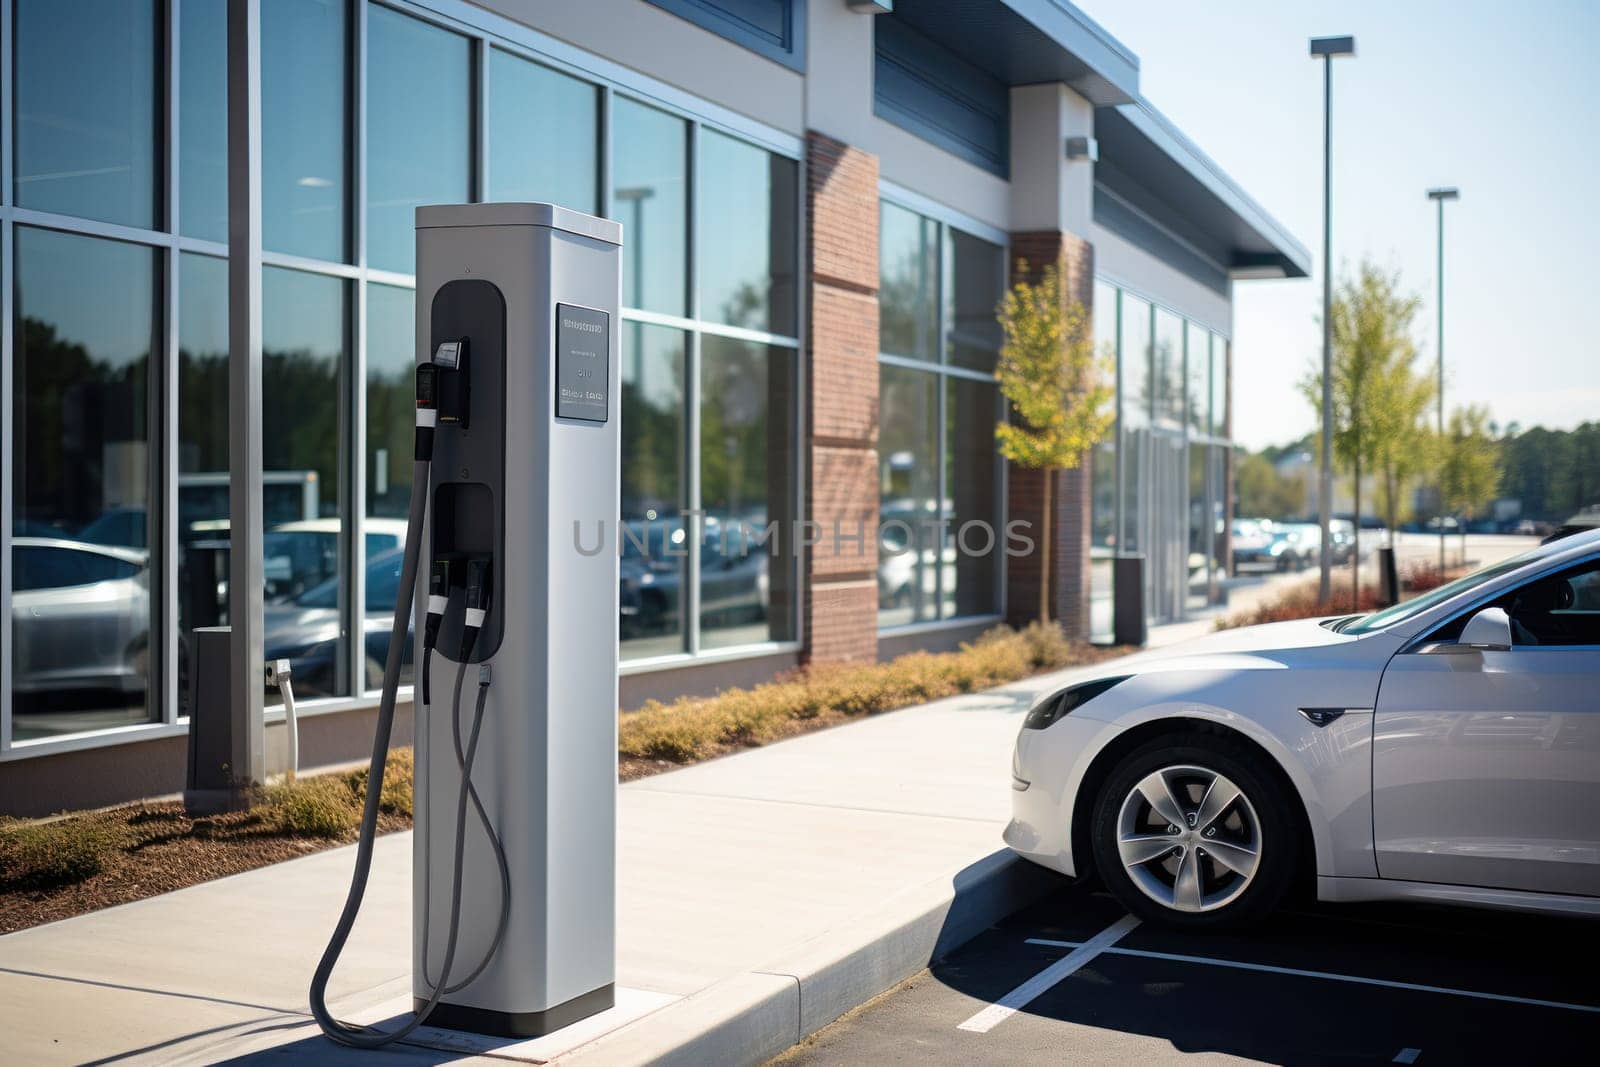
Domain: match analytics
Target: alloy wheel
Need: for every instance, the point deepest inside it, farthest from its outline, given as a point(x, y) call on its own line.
point(1189, 838)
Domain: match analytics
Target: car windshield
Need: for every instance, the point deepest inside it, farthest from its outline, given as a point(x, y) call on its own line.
point(1379, 620)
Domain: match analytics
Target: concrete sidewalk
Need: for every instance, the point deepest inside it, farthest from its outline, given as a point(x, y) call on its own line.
point(760, 896)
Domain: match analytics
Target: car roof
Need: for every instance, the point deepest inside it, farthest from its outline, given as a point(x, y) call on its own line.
point(126, 555)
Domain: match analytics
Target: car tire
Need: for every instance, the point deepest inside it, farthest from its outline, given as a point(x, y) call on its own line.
point(1126, 827)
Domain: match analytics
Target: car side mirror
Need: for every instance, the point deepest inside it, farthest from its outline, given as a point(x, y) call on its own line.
point(1488, 631)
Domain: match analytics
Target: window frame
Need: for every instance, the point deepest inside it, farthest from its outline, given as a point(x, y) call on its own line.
point(483, 30)
point(943, 370)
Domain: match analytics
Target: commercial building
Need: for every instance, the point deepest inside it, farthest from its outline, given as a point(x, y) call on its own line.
point(822, 202)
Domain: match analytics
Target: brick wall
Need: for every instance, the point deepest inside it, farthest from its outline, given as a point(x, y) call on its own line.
point(1069, 491)
point(841, 591)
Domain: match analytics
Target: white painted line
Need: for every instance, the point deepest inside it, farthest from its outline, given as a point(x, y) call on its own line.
point(1024, 994)
point(1406, 1055)
point(1326, 975)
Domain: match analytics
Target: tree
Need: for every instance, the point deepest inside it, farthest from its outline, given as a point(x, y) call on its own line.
point(1058, 389)
point(1263, 492)
point(1469, 468)
point(1374, 381)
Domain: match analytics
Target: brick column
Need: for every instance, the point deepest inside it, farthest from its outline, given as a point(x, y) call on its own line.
point(841, 585)
point(1070, 489)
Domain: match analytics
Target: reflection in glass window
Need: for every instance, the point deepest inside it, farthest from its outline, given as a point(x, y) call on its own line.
point(1219, 385)
point(1167, 369)
point(391, 399)
point(1103, 479)
point(747, 441)
point(304, 350)
point(202, 451)
point(974, 283)
point(203, 120)
point(81, 466)
point(908, 496)
point(86, 109)
point(908, 273)
point(1197, 395)
point(970, 554)
point(304, 140)
point(746, 239)
point(654, 543)
point(1134, 365)
point(531, 108)
point(418, 130)
point(650, 166)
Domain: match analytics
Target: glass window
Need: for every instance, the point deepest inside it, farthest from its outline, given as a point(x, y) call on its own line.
point(202, 452)
point(203, 120)
point(746, 250)
point(973, 535)
point(908, 271)
point(1134, 368)
point(1167, 368)
point(419, 140)
point(81, 468)
point(974, 281)
point(532, 107)
point(650, 152)
point(747, 443)
point(654, 491)
point(391, 400)
point(86, 109)
point(1219, 385)
point(1197, 363)
point(1103, 479)
point(908, 496)
point(304, 139)
point(304, 352)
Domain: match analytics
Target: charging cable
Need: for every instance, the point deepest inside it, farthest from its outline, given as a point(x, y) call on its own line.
point(477, 608)
point(345, 1033)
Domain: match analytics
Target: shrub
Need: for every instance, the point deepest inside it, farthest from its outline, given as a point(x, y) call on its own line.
point(325, 806)
point(1300, 601)
point(694, 728)
point(399, 774)
point(51, 854)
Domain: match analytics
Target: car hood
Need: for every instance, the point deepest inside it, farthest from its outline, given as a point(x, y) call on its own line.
point(1296, 642)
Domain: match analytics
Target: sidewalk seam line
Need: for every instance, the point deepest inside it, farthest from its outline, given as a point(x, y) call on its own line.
point(823, 806)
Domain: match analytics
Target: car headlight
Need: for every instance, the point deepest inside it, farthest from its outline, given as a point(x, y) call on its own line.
point(1048, 711)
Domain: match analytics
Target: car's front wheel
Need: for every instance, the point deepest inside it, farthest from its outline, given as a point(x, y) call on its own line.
point(1189, 832)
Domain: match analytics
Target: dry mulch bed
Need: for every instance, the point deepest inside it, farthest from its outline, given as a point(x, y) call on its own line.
point(164, 849)
point(55, 869)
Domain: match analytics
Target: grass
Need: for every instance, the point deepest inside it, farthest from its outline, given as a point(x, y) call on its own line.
point(695, 728)
point(53, 868)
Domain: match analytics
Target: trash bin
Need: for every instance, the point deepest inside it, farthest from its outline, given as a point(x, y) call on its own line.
point(1127, 599)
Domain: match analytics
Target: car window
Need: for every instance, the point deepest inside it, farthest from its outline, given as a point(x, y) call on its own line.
point(1408, 609)
point(57, 568)
point(1555, 611)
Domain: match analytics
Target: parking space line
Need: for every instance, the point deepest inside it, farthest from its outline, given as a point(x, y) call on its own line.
point(1326, 975)
point(1020, 997)
point(1406, 1055)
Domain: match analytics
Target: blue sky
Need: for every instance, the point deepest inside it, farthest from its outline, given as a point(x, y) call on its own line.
point(1500, 99)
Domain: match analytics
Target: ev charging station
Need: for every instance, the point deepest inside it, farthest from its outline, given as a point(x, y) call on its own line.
point(518, 392)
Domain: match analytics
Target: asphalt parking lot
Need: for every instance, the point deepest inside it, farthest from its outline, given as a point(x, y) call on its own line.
point(1315, 984)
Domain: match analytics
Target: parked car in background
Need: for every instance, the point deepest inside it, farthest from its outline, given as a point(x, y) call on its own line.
point(304, 553)
point(306, 629)
point(80, 621)
point(1251, 540)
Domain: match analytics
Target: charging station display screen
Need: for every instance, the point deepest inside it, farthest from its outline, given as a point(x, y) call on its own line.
point(583, 345)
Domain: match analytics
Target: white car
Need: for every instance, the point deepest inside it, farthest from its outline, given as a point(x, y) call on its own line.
point(1444, 749)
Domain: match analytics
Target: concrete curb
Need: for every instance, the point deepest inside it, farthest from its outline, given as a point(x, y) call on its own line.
point(754, 1016)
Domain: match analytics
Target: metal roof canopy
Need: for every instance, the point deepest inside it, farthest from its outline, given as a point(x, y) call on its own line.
point(1026, 42)
point(1148, 163)
point(1144, 160)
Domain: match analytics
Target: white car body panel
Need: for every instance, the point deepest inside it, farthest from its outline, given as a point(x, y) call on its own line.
point(1525, 731)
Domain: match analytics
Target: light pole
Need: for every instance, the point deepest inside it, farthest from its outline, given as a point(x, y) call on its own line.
point(1439, 196)
point(1326, 48)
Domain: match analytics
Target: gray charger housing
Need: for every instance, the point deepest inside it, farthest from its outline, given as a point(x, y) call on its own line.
point(534, 290)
